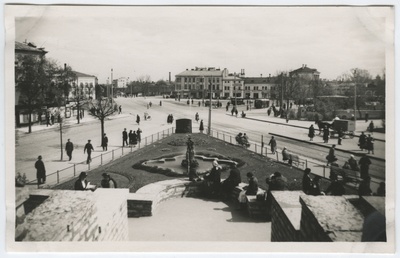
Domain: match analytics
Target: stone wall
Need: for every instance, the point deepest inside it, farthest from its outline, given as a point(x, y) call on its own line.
point(285, 216)
point(146, 200)
point(77, 216)
point(330, 219)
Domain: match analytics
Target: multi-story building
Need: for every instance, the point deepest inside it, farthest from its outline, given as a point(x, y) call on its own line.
point(195, 83)
point(84, 86)
point(233, 84)
point(306, 73)
point(259, 87)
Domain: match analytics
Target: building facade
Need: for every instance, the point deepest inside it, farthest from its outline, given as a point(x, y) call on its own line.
point(84, 86)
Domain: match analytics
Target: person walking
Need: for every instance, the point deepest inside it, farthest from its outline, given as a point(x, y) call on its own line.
point(196, 117)
point(311, 132)
point(366, 117)
point(69, 147)
point(134, 138)
point(370, 144)
point(120, 109)
point(364, 163)
point(139, 135)
point(331, 156)
point(138, 119)
point(325, 135)
point(124, 137)
point(272, 143)
point(340, 136)
point(201, 128)
point(362, 141)
point(371, 127)
point(104, 142)
point(88, 148)
point(40, 171)
point(47, 120)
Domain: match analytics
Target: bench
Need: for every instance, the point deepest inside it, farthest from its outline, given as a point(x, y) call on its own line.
point(255, 208)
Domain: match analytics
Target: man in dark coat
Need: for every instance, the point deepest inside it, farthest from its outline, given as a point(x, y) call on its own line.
point(232, 181)
point(130, 136)
point(364, 163)
point(138, 119)
point(108, 181)
point(340, 136)
point(201, 128)
point(306, 182)
point(89, 148)
point(362, 141)
point(104, 142)
point(124, 138)
point(331, 156)
point(325, 135)
point(139, 135)
point(370, 144)
point(311, 132)
point(40, 171)
point(69, 147)
point(272, 143)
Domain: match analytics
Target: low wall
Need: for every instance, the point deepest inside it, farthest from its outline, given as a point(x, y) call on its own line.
point(76, 216)
point(285, 216)
point(330, 219)
point(146, 200)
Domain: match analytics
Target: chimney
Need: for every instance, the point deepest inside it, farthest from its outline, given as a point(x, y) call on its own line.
point(65, 66)
point(169, 77)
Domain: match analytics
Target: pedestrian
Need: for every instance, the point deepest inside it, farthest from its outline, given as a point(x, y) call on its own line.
point(381, 191)
point(188, 102)
point(40, 171)
point(236, 112)
point(134, 138)
point(287, 117)
point(232, 181)
point(364, 163)
point(108, 181)
point(227, 108)
point(139, 135)
point(315, 189)
point(124, 137)
point(130, 136)
point(331, 156)
point(362, 141)
point(366, 117)
point(52, 119)
point(199, 103)
point(325, 134)
point(340, 136)
point(196, 117)
point(119, 109)
point(89, 149)
point(104, 142)
point(138, 119)
point(169, 119)
point(364, 188)
point(69, 147)
point(172, 118)
point(306, 182)
point(201, 128)
point(269, 111)
point(160, 103)
point(80, 115)
point(370, 144)
point(311, 132)
point(47, 119)
point(272, 143)
point(371, 127)
point(233, 110)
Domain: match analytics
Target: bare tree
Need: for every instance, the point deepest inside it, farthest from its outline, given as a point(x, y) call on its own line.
point(101, 109)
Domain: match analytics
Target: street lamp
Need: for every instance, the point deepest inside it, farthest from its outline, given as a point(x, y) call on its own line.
point(112, 86)
point(209, 110)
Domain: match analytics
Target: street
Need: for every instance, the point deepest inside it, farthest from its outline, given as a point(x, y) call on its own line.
point(46, 142)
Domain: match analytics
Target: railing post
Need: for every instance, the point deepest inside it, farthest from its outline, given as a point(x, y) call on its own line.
point(112, 155)
point(74, 170)
point(58, 177)
point(324, 171)
point(101, 159)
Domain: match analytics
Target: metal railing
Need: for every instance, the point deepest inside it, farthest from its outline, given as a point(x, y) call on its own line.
point(317, 167)
point(104, 158)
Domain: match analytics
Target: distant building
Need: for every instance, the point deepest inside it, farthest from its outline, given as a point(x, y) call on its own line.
point(306, 73)
point(195, 83)
point(233, 84)
point(259, 87)
point(122, 82)
point(84, 85)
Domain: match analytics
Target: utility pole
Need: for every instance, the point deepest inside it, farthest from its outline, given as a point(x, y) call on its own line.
point(112, 86)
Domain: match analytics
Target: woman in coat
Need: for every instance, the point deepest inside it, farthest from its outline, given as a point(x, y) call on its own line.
point(201, 128)
point(311, 132)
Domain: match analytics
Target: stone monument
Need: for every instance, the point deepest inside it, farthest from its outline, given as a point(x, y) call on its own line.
point(190, 162)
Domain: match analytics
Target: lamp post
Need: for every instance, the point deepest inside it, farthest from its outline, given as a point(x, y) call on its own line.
point(112, 87)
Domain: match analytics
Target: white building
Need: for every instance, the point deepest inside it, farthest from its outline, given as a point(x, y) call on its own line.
point(84, 85)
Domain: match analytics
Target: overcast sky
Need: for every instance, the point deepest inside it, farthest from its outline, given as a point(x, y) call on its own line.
point(154, 41)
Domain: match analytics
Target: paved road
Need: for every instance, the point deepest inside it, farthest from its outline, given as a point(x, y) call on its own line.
point(47, 142)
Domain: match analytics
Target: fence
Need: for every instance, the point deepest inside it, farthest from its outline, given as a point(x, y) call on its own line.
point(317, 167)
point(65, 174)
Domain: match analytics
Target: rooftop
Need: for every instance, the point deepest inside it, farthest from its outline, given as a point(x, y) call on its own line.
point(210, 71)
point(29, 47)
point(78, 74)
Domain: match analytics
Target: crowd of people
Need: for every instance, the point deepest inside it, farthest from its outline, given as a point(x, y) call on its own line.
point(242, 139)
point(134, 137)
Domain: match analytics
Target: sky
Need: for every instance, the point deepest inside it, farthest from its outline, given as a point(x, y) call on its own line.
point(139, 41)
